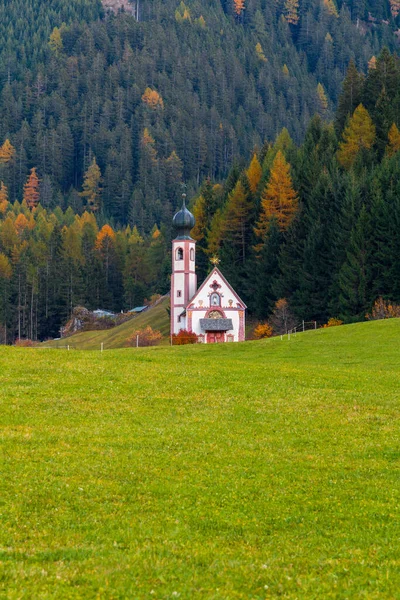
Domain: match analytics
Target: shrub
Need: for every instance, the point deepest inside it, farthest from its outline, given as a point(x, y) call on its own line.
point(333, 322)
point(383, 309)
point(147, 337)
point(184, 337)
point(263, 330)
point(24, 343)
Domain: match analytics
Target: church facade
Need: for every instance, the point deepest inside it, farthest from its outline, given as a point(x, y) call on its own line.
point(214, 311)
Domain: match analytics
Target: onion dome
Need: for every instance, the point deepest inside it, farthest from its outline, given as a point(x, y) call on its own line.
point(183, 222)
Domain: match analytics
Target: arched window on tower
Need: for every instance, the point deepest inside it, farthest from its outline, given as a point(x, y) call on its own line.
point(179, 254)
point(191, 253)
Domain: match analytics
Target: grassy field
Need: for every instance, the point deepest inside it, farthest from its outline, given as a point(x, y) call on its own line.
point(255, 471)
point(157, 317)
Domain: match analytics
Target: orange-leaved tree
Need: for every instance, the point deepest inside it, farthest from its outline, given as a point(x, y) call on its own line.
point(279, 200)
point(31, 190)
point(152, 98)
point(105, 244)
point(358, 135)
point(254, 173)
point(145, 337)
point(3, 198)
point(394, 140)
point(238, 7)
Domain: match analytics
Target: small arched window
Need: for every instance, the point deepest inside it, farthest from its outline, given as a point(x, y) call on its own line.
point(191, 253)
point(215, 299)
point(179, 254)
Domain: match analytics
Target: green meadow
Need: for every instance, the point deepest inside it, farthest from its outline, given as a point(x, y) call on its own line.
point(260, 470)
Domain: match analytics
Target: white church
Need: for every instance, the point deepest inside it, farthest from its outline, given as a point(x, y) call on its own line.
point(214, 311)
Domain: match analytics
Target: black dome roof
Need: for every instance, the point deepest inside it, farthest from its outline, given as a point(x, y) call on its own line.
point(183, 223)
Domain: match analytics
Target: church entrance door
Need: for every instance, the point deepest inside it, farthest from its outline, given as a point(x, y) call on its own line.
point(215, 337)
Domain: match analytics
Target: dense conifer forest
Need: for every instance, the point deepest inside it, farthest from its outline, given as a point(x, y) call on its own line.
point(103, 116)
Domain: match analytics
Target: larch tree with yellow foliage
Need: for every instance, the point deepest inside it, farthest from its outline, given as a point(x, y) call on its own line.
point(279, 200)
point(394, 140)
point(7, 152)
point(91, 187)
point(359, 135)
point(291, 11)
point(254, 173)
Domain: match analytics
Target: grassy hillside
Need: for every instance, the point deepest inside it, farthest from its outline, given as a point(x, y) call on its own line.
point(258, 470)
point(157, 317)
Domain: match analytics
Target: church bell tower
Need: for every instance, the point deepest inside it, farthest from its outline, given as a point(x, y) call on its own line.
point(184, 278)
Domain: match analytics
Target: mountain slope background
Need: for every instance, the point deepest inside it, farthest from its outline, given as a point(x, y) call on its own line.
point(177, 96)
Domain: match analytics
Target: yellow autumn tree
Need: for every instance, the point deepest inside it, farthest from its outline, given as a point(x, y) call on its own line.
point(358, 135)
point(260, 53)
point(152, 99)
point(3, 198)
point(55, 42)
point(7, 152)
point(91, 186)
point(285, 70)
point(394, 7)
point(372, 63)
point(31, 190)
point(291, 10)
point(254, 173)
point(279, 200)
point(394, 140)
point(331, 8)
point(322, 99)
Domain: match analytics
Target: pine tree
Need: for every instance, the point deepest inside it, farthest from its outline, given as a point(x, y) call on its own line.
point(31, 190)
point(355, 274)
point(279, 200)
point(91, 187)
point(254, 173)
point(350, 97)
point(358, 135)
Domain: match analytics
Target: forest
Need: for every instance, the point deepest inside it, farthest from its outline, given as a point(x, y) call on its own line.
point(317, 224)
point(103, 117)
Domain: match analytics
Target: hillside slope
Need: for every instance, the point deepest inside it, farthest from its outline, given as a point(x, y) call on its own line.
point(157, 317)
point(259, 470)
point(178, 96)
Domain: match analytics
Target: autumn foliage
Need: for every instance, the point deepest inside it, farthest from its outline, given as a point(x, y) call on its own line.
point(238, 6)
point(359, 134)
point(184, 337)
point(145, 337)
point(263, 330)
point(152, 98)
point(31, 190)
point(279, 200)
point(383, 309)
point(333, 322)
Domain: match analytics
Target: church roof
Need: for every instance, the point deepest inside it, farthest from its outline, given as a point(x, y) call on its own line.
point(216, 324)
point(183, 223)
point(212, 274)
